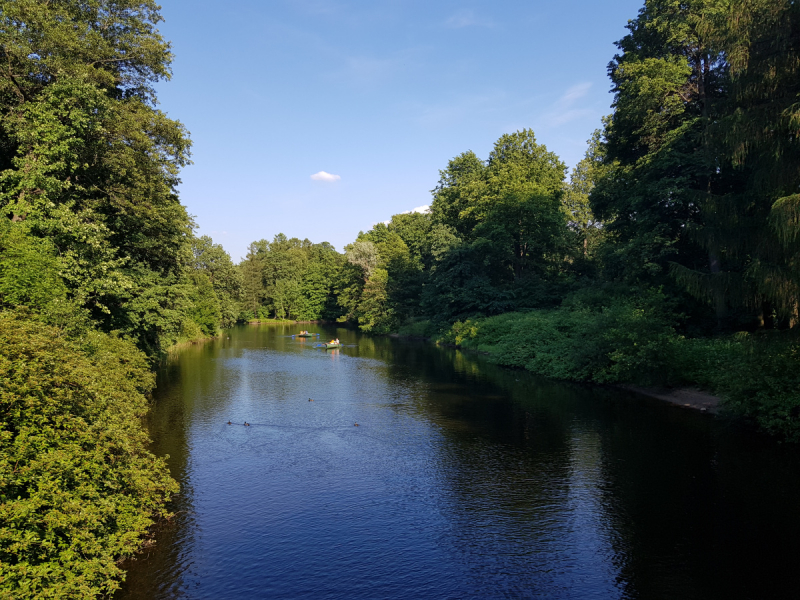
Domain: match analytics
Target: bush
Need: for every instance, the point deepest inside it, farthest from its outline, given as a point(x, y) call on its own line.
point(78, 488)
point(758, 377)
point(599, 337)
point(417, 328)
point(618, 340)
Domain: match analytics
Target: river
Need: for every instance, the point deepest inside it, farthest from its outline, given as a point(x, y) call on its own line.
point(461, 480)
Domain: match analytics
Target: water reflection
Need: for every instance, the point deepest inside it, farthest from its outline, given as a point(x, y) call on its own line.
point(461, 480)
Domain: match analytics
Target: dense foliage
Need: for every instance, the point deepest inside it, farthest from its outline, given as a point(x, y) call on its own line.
point(78, 489)
point(89, 169)
point(290, 279)
point(99, 268)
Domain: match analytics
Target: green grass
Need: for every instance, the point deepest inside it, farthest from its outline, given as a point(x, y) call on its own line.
point(259, 321)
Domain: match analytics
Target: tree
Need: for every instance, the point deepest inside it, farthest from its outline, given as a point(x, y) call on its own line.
point(657, 163)
point(375, 313)
point(80, 488)
point(504, 222)
point(414, 229)
point(86, 160)
point(580, 218)
point(251, 270)
point(29, 269)
point(211, 259)
point(364, 255)
point(114, 46)
point(316, 287)
point(751, 226)
point(458, 187)
point(700, 176)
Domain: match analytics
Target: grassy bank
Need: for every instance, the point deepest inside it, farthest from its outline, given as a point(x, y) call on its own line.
point(281, 321)
point(637, 341)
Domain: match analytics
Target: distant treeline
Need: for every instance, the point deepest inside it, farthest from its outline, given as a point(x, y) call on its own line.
point(671, 255)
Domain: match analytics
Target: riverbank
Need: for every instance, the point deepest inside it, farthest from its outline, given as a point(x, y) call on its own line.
point(692, 398)
point(260, 321)
point(684, 397)
point(178, 346)
point(633, 344)
point(286, 321)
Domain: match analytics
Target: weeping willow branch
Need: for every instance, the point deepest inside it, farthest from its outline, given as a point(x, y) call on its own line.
point(784, 219)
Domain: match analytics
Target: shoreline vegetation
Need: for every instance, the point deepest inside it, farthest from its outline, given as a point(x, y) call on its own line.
point(683, 396)
point(668, 257)
point(747, 375)
point(282, 321)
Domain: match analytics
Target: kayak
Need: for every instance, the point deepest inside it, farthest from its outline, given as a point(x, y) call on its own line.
point(305, 335)
point(329, 346)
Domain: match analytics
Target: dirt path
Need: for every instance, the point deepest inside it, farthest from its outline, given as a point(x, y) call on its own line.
point(686, 397)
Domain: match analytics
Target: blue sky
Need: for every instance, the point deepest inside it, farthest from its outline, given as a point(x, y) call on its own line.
point(379, 93)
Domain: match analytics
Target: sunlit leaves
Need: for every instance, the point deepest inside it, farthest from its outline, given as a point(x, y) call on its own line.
point(78, 487)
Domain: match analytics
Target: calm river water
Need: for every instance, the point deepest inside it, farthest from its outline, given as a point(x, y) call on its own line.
point(462, 480)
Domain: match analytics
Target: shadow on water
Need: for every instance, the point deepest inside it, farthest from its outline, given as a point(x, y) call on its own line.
point(462, 480)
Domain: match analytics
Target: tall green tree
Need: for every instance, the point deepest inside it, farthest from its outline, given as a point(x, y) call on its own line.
point(656, 146)
point(290, 278)
point(459, 187)
point(751, 226)
point(87, 160)
point(226, 280)
point(504, 228)
point(582, 223)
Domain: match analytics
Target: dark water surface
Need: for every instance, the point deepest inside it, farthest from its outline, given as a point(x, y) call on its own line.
point(462, 480)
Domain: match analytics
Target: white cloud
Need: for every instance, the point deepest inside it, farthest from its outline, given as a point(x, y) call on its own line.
point(565, 110)
point(323, 176)
point(575, 92)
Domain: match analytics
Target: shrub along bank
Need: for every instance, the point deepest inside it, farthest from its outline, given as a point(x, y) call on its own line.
point(635, 339)
point(79, 488)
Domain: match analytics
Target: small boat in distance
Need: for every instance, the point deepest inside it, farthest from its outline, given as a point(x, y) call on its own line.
point(330, 345)
point(304, 334)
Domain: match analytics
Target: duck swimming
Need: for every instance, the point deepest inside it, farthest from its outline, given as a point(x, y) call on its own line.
point(246, 424)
